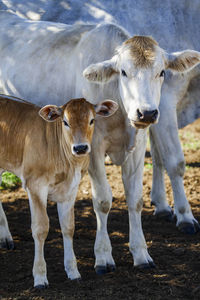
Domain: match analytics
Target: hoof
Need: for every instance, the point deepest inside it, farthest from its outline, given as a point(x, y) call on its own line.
point(41, 286)
point(111, 268)
point(165, 215)
point(101, 270)
point(77, 280)
point(9, 245)
point(146, 266)
point(189, 228)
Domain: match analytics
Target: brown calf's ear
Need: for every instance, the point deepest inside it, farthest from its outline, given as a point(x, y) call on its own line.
point(106, 108)
point(50, 112)
point(183, 61)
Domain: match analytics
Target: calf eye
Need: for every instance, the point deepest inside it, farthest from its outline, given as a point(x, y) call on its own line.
point(65, 123)
point(162, 74)
point(124, 73)
point(92, 122)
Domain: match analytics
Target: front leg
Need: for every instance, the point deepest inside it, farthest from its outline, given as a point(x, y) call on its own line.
point(166, 150)
point(40, 228)
point(132, 175)
point(66, 219)
point(102, 202)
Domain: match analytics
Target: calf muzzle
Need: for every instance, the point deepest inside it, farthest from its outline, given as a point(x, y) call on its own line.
point(81, 149)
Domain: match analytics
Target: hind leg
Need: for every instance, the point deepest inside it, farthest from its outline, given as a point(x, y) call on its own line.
point(6, 240)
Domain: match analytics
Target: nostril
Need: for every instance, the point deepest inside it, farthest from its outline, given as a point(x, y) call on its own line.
point(139, 114)
point(80, 149)
point(155, 114)
point(147, 115)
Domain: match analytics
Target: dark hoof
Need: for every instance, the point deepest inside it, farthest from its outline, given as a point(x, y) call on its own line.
point(111, 268)
point(41, 286)
point(77, 280)
point(146, 266)
point(9, 245)
point(101, 270)
point(165, 215)
point(189, 228)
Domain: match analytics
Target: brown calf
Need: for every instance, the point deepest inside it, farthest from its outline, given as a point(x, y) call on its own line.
point(48, 149)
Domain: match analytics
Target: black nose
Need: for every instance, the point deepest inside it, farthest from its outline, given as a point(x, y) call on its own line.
point(80, 149)
point(147, 115)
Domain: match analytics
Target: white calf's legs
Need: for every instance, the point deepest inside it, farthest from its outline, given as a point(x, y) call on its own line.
point(66, 218)
point(40, 228)
point(102, 202)
point(166, 150)
point(6, 240)
point(132, 175)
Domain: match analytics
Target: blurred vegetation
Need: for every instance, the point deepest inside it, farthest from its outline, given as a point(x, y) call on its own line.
point(10, 181)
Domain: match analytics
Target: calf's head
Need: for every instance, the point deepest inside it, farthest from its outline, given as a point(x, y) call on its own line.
point(140, 64)
point(78, 118)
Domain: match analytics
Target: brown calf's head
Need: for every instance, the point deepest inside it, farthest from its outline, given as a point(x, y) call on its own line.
point(78, 116)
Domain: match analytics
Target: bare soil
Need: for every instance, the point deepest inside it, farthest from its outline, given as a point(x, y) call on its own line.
point(177, 256)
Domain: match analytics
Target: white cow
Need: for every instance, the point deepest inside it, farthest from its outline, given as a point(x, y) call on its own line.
point(131, 71)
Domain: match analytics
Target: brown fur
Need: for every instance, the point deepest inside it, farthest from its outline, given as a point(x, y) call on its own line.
point(142, 50)
point(40, 146)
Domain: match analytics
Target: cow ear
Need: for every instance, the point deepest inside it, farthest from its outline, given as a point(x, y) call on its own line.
point(106, 108)
point(101, 72)
point(183, 61)
point(50, 112)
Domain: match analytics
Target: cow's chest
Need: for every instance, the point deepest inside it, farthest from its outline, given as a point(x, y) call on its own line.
point(121, 143)
point(65, 186)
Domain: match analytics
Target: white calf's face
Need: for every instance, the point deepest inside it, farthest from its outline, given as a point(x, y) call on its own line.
point(141, 74)
point(139, 65)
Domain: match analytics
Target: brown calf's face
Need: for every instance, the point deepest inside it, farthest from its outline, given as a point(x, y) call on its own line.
point(78, 118)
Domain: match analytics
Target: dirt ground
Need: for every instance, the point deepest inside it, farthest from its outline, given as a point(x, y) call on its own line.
point(177, 256)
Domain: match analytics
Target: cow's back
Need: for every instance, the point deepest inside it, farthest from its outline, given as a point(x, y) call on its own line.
point(20, 129)
point(37, 58)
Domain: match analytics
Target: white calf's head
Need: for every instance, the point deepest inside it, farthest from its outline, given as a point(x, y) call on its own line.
point(139, 64)
point(78, 118)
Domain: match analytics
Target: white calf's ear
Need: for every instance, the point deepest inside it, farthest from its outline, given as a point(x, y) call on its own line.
point(106, 108)
point(101, 72)
point(183, 61)
point(50, 112)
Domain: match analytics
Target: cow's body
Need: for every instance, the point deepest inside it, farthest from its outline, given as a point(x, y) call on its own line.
point(29, 70)
point(41, 154)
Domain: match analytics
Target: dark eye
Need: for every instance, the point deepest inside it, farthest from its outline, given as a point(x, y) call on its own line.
point(65, 123)
point(162, 74)
point(92, 122)
point(124, 73)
